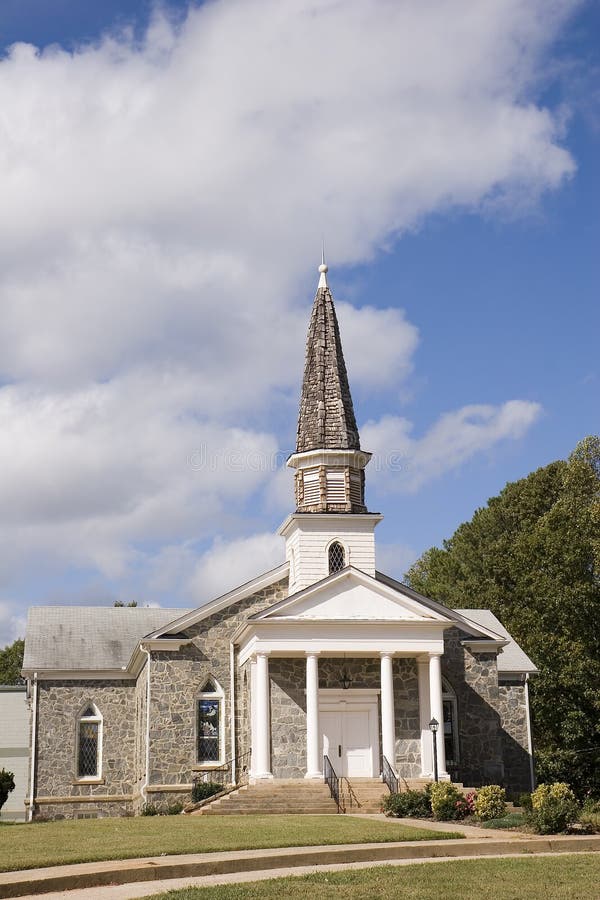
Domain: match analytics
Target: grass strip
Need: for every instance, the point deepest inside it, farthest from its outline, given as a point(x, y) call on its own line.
point(560, 877)
point(89, 840)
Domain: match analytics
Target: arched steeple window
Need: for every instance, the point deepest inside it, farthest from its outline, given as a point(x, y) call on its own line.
point(336, 557)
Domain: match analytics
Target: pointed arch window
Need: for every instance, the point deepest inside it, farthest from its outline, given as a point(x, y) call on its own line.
point(89, 743)
point(336, 557)
point(210, 724)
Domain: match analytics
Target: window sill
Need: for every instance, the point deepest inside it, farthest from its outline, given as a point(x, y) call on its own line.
point(209, 767)
point(88, 781)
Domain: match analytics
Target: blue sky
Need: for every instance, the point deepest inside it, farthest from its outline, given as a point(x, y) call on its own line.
point(165, 193)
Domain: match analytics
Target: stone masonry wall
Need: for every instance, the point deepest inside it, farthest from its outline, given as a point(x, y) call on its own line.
point(515, 742)
point(288, 717)
point(59, 706)
point(408, 722)
point(178, 677)
point(474, 678)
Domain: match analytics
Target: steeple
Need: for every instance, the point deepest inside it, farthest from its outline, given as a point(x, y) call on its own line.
point(329, 461)
point(326, 420)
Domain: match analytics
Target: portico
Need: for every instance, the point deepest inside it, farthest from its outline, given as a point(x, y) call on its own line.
point(348, 616)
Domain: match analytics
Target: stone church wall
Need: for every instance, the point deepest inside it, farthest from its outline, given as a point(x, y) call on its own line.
point(474, 678)
point(515, 741)
point(57, 789)
point(176, 680)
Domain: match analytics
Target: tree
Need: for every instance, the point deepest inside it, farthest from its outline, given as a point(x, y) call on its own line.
point(11, 663)
point(122, 604)
point(7, 784)
point(532, 556)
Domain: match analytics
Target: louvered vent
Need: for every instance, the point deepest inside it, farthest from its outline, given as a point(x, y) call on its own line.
point(336, 487)
point(312, 493)
point(356, 488)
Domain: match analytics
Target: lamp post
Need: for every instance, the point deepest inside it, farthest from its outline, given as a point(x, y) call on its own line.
point(433, 727)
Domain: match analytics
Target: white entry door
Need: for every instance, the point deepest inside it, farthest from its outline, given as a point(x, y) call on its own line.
point(348, 739)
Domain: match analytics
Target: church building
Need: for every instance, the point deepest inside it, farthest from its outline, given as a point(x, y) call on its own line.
point(323, 665)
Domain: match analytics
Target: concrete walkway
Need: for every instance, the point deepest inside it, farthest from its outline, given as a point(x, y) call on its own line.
point(146, 889)
point(143, 877)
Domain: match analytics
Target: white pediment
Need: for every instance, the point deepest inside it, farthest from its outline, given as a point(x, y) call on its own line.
point(352, 596)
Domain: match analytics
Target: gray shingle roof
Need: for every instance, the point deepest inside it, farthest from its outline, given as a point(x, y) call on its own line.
point(512, 658)
point(88, 637)
point(326, 419)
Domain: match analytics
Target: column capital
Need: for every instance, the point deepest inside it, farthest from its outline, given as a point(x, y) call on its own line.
point(384, 654)
point(309, 653)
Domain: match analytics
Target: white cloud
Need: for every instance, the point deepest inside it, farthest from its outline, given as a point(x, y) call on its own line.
point(230, 563)
point(87, 475)
point(404, 463)
point(161, 202)
point(12, 625)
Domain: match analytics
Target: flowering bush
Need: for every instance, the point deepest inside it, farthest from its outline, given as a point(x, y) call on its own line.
point(466, 805)
point(447, 801)
point(490, 803)
point(553, 807)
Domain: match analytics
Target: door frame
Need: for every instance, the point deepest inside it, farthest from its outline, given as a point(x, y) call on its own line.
point(339, 700)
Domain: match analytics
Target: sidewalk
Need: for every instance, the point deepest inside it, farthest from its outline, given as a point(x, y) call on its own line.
point(246, 864)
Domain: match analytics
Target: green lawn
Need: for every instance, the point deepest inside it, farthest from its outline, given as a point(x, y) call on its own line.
point(560, 877)
point(86, 840)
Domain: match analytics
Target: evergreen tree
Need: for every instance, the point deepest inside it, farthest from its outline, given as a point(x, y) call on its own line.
point(532, 556)
point(11, 663)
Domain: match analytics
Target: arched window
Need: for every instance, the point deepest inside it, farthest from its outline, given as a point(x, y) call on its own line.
point(89, 742)
point(210, 724)
point(450, 723)
point(337, 557)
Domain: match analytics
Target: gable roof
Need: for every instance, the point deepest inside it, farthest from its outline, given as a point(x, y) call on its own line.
point(95, 638)
point(299, 604)
point(513, 659)
point(191, 616)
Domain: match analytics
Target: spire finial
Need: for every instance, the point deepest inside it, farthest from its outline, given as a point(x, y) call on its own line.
point(323, 268)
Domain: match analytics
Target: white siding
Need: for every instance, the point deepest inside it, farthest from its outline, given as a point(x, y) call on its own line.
point(14, 748)
point(309, 538)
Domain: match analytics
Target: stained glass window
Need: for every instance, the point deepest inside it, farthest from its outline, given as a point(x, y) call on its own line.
point(88, 743)
point(209, 724)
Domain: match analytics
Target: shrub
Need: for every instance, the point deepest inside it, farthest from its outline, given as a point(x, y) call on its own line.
point(7, 784)
point(203, 789)
point(174, 809)
point(490, 803)
point(524, 800)
point(447, 802)
point(553, 807)
point(415, 804)
point(150, 809)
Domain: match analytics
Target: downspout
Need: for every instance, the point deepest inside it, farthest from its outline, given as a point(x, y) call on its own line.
point(529, 738)
point(33, 746)
point(232, 709)
point(143, 789)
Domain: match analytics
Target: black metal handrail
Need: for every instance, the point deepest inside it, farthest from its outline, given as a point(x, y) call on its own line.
point(331, 780)
point(223, 774)
point(390, 777)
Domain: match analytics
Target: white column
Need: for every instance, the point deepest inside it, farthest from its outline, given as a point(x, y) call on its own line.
point(262, 735)
point(437, 710)
point(313, 732)
point(388, 723)
point(253, 768)
point(424, 717)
